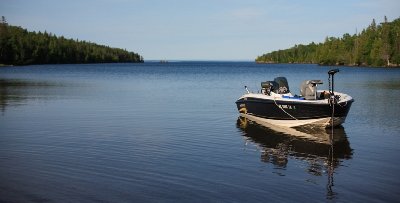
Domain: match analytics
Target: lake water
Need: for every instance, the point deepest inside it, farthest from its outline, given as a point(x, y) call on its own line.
point(170, 132)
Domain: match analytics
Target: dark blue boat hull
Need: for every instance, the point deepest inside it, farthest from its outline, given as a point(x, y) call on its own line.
point(291, 109)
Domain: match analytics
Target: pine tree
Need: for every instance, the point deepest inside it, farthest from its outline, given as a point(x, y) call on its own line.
point(377, 45)
point(20, 47)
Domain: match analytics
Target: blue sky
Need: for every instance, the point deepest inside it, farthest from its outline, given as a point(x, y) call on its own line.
point(198, 29)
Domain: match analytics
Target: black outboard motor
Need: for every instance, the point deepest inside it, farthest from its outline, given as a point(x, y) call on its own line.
point(283, 85)
point(268, 87)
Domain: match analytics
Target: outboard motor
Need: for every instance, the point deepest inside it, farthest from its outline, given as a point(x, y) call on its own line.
point(308, 89)
point(283, 85)
point(268, 87)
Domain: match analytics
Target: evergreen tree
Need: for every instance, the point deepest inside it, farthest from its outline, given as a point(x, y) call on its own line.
point(377, 45)
point(20, 47)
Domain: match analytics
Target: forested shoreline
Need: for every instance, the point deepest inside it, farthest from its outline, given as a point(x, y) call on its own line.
point(377, 45)
point(21, 47)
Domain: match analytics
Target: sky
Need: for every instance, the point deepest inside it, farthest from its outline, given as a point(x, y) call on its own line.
point(234, 30)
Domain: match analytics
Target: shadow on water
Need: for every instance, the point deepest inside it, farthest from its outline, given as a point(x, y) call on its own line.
point(322, 155)
point(14, 92)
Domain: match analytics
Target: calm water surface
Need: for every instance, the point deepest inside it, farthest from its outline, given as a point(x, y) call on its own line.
point(171, 133)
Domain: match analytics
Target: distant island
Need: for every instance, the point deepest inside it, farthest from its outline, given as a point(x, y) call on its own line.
point(377, 45)
point(21, 47)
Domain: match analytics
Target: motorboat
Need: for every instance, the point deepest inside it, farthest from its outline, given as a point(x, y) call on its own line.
point(275, 104)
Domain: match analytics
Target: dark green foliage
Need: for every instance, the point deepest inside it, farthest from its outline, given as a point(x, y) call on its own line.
point(20, 47)
point(377, 45)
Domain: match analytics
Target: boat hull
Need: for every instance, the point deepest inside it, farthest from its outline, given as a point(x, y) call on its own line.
point(292, 113)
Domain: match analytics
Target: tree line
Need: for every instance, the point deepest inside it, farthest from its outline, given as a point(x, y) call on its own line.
point(376, 45)
point(21, 47)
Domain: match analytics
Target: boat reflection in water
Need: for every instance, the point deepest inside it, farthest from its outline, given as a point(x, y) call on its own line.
point(314, 146)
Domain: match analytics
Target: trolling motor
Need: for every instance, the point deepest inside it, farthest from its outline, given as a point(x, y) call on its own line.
point(331, 74)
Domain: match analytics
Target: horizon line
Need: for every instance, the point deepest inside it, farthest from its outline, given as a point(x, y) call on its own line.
point(199, 60)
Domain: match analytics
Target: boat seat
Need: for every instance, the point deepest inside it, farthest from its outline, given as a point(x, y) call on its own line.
point(308, 89)
point(316, 82)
